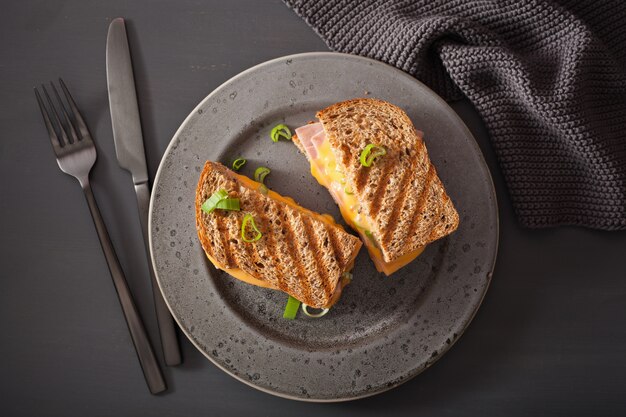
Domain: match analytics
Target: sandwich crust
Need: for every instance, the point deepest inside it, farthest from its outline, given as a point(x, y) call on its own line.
point(400, 192)
point(300, 252)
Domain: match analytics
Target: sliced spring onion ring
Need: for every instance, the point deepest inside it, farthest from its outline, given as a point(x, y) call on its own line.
point(291, 309)
point(314, 315)
point(249, 219)
point(228, 204)
point(260, 173)
point(211, 203)
point(347, 190)
point(371, 152)
point(263, 189)
point(278, 131)
point(238, 163)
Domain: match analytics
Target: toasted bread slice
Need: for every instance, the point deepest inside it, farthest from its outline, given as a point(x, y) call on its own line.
point(302, 253)
point(400, 195)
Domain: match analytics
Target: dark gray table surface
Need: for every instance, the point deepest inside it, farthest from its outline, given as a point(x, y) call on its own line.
point(549, 339)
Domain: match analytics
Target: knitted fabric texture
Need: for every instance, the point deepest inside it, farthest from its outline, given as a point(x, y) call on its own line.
point(548, 79)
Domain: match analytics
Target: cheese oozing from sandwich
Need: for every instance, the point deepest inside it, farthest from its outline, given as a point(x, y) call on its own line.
point(325, 170)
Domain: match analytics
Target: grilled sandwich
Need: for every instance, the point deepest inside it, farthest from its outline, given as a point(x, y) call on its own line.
point(395, 201)
point(305, 254)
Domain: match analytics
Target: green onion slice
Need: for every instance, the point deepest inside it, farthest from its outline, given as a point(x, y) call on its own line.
point(263, 189)
point(238, 163)
point(249, 219)
point(228, 204)
point(260, 173)
point(291, 309)
point(371, 152)
point(278, 131)
point(211, 203)
point(347, 190)
point(371, 237)
point(314, 315)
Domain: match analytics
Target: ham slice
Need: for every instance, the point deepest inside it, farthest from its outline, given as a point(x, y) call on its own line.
point(311, 136)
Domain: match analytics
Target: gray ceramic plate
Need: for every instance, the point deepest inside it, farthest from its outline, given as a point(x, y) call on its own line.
point(384, 330)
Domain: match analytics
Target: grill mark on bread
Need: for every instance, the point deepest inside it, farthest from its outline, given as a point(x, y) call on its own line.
point(298, 262)
point(421, 202)
point(207, 248)
point(412, 200)
point(316, 250)
point(433, 222)
point(288, 260)
point(280, 281)
point(361, 179)
point(345, 154)
point(308, 261)
point(334, 244)
point(443, 227)
point(380, 190)
point(252, 248)
point(439, 211)
point(227, 259)
point(394, 217)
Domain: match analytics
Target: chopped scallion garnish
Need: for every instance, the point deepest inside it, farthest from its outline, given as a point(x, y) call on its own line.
point(228, 204)
point(263, 189)
point(260, 173)
point(371, 152)
point(280, 131)
point(248, 219)
point(211, 203)
point(238, 163)
point(314, 315)
point(370, 236)
point(219, 200)
point(291, 309)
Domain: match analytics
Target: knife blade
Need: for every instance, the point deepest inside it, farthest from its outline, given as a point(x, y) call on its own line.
point(129, 149)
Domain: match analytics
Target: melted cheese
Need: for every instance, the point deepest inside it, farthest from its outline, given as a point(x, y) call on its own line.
point(324, 170)
point(240, 274)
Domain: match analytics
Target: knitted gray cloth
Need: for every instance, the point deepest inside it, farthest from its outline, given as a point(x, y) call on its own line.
point(548, 78)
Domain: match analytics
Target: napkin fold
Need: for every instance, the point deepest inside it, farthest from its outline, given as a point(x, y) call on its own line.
point(547, 77)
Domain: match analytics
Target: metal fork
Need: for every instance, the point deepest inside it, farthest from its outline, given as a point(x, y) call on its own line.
point(76, 154)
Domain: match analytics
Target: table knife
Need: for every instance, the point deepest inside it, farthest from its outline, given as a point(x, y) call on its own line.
point(131, 156)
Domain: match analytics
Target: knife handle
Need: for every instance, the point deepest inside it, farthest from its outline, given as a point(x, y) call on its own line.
point(148, 361)
point(167, 329)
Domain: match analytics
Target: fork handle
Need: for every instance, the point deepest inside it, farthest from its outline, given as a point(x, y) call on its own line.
point(147, 359)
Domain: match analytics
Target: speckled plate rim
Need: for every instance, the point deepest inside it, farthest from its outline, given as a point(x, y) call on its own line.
point(483, 167)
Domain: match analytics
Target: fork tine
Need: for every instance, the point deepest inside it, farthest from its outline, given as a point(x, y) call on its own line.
point(66, 140)
point(73, 133)
point(82, 126)
point(56, 146)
